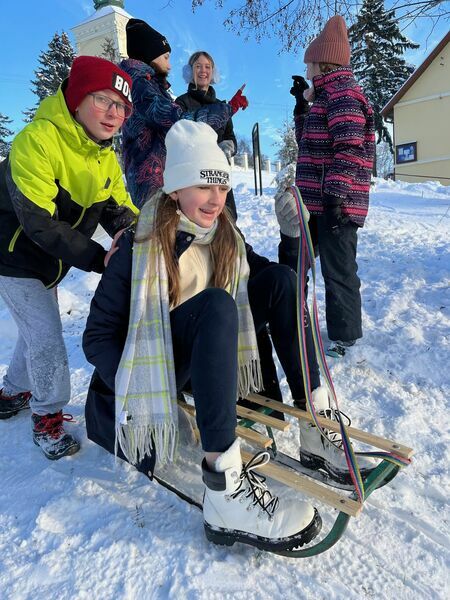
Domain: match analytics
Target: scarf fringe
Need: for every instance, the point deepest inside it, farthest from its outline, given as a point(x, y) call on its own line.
point(250, 378)
point(139, 441)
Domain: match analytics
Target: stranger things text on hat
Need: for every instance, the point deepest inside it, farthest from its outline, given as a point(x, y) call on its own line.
point(214, 177)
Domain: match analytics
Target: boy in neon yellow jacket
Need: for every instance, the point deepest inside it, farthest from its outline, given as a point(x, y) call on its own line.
point(59, 182)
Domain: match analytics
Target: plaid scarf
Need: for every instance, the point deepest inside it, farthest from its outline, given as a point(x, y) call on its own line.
point(146, 394)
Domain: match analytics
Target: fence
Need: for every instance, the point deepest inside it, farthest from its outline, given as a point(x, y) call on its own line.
point(242, 160)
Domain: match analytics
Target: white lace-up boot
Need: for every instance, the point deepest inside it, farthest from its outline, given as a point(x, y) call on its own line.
point(238, 507)
point(318, 452)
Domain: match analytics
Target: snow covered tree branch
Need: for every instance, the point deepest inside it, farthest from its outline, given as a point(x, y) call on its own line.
point(295, 22)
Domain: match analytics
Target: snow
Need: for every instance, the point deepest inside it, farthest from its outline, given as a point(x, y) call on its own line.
point(102, 12)
point(85, 527)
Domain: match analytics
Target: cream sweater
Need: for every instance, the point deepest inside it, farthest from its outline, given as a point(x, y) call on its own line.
point(196, 270)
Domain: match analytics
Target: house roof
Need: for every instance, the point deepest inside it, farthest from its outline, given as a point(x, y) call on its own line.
point(387, 110)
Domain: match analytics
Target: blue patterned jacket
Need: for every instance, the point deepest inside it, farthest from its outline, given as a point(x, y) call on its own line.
point(154, 112)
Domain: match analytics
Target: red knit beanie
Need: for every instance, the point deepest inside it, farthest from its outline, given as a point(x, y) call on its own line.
point(91, 74)
point(331, 45)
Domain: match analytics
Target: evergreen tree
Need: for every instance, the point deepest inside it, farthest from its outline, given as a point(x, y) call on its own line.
point(5, 132)
point(287, 155)
point(55, 67)
point(377, 58)
point(287, 145)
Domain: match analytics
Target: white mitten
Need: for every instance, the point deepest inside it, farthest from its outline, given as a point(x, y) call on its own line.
point(227, 147)
point(287, 215)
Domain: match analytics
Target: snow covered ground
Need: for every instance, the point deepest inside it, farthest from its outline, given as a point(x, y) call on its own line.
point(84, 527)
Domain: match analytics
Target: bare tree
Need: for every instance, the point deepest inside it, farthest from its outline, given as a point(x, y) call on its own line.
point(295, 22)
point(109, 50)
point(384, 159)
point(244, 146)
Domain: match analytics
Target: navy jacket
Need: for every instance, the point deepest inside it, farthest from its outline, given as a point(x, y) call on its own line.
point(144, 133)
point(194, 99)
point(105, 335)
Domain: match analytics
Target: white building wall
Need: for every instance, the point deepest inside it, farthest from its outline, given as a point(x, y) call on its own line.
point(108, 22)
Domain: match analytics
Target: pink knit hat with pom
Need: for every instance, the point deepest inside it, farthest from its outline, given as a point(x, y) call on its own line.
point(331, 45)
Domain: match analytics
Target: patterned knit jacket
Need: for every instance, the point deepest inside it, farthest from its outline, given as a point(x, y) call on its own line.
point(336, 146)
point(144, 133)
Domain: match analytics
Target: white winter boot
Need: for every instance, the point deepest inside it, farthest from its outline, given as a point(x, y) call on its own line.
point(238, 507)
point(318, 452)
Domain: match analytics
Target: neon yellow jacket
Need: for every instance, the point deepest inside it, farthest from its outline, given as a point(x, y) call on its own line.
point(56, 186)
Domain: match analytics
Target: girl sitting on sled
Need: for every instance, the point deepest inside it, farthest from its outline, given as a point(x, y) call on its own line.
point(176, 303)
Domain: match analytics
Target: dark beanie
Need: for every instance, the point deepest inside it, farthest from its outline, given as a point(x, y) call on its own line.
point(92, 74)
point(143, 42)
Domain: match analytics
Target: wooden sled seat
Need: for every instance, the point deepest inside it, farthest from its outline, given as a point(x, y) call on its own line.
point(338, 499)
point(356, 434)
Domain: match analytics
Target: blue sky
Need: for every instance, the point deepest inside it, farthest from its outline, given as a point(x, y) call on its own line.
point(27, 27)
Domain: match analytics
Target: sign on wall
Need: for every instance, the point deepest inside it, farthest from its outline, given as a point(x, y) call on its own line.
point(405, 153)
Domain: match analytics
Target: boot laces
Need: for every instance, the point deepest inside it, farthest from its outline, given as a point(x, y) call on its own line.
point(334, 437)
point(53, 425)
point(253, 486)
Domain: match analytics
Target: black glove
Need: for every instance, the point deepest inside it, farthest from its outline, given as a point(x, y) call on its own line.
point(334, 219)
point(297, 89)
point(299, 86)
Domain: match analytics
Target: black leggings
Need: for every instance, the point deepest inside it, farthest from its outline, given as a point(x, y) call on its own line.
point(205, 333)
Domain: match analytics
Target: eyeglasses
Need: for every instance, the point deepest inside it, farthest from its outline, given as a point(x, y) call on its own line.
point(104, 104)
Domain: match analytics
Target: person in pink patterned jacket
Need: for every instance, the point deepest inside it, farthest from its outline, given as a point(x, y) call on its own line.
point(336, 144)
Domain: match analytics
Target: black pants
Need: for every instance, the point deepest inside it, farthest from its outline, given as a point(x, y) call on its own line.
point(272, 296)
point(339, 268)
point(204, 335)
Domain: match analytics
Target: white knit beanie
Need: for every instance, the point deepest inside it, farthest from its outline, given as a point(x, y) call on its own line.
point(193, 157)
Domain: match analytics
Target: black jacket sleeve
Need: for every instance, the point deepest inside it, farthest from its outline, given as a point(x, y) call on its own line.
point(115, 217)
point(55, 237)
point(107, 323)
point(288, 251)
point(256, 262)
point(228, 134)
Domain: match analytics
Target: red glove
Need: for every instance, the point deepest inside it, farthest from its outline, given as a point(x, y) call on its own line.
point(238, 101)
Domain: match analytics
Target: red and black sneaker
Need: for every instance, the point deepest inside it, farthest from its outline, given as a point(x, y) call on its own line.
point(10, 405)
point(49, 435)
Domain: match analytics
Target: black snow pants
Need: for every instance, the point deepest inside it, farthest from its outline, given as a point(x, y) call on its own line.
point(337, 252)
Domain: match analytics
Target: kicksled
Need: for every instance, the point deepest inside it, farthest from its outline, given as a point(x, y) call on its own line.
point(256, 428)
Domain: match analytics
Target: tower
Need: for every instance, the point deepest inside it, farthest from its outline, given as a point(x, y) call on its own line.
point(107, 23)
